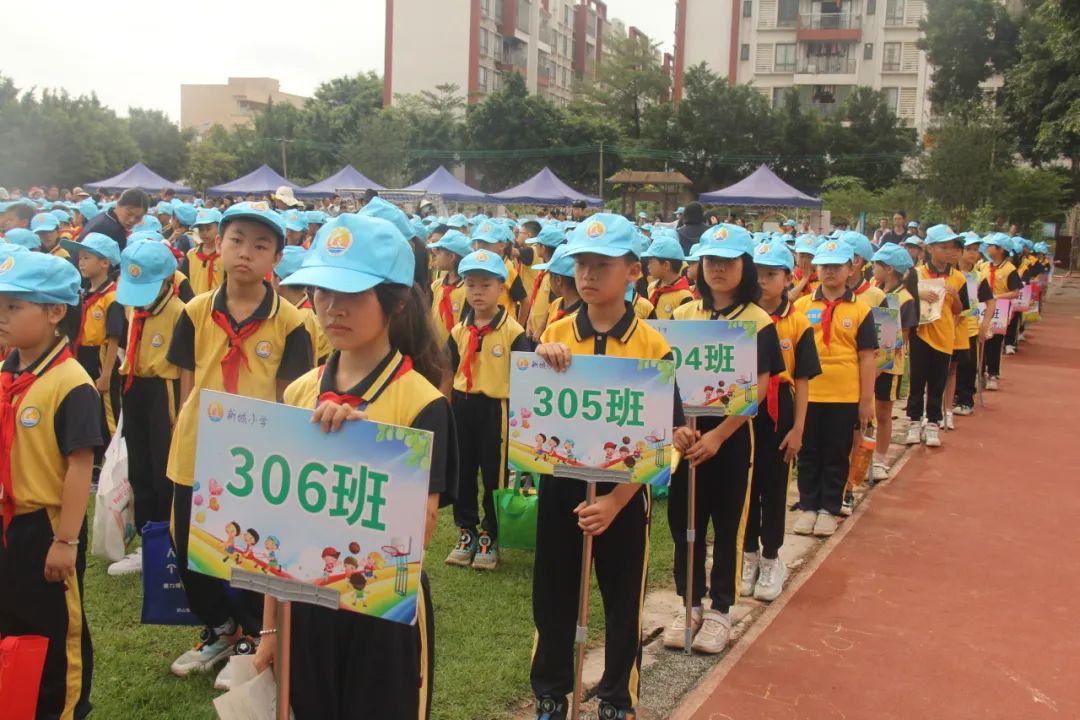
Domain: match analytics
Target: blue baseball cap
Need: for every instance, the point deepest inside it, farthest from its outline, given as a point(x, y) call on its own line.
point(101, 245)
point(642, 215)
point(560, 264)
point(940, 234)
point(455, 241)
point(390, 212)
point(665, 248)
point(40, 278)
point(61, 215)
point(419, 229)
point(23, 238)
point(144, 266)
point(477, 219)
point(295, 221)
point(483, 261)
point(457, 221)
point(605, 234)
point(833, 252)
point(354, 253)
point(148, 223)
point(860, 244)
point(806, 243)
point(176, 202)
point(895, 257)
point(972, 239)
point(185, 214)
point(44, 222)
point(207, 216)
point(914, 240)
point(725, 241)
point(1042, 248)
point(790, 223)
point(550, 236)
point(292, 257)
point(490, 232)
point(146, 236)
point(10, 249)
point(88, 208)
point(774, 254)
point(680, 210)
point(647, 229)
point(257, 211)
point(316, 217)
point(913, 224)
point(163, 208)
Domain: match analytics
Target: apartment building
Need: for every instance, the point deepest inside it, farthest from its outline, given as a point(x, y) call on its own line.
point(231, 105)
point(822, 48)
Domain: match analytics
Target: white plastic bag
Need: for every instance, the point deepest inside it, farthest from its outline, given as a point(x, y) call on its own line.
point(253, 695)
point(114, 511)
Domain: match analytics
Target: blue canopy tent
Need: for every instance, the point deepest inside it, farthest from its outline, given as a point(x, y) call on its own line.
point(346, 178)
point(137, 176)
point(762, 188)
point(261, 181)
point(544, 188)
point(442, 182)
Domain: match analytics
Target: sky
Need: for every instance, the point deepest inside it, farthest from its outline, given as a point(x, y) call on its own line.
point(133, 54)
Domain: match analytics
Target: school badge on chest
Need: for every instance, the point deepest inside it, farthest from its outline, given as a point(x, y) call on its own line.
point(263, 349)
point(157, 341)
point(30, 417)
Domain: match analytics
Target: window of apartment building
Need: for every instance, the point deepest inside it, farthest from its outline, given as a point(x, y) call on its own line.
point(890, 59)
point(567, 15)
point(788, 13)
point(868, 51)
point(485, 8)
point(871, 7)
point(779, 94)
point(892, 97)
point(785, 58)
point(744, 52)
point(747, 8)
point(485, 42)
point(482, 78)
point(894, 12)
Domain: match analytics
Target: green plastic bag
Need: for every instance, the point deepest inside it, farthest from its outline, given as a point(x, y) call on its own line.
point(516, 513)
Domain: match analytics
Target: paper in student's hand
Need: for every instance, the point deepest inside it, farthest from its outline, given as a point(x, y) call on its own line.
point(931, 311)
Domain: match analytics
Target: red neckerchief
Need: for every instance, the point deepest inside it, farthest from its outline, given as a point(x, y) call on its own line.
point(934, 274)
point(993, 275)
point(536, 286)
point(826, 318)
point(210, 263)
point(88, 302)
point(772, 396)
point(10, 389)
point(358, 402)
point(305, 303)
point(862, 288)
point(446, 305)
point(235, 356)
point(134, 337)
point(680, 284)
point(475, 334)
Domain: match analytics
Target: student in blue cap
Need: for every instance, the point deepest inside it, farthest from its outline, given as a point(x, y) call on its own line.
point(1005, 284)
point(723, 453)
point(560, 273)
point(292, 257)
point(47, 228)
point(17, 214)
point(669, 288)
point(963, 397)
point(385, 367)
point(380, 208)
point(778, 431)
point(179, 231)
point(604, 251)
point(546, 241)
point(150, 383)
point(23, 238)
point(49, 430)
point(494, 237)
point(915, 248)
point(296, 228)
point(448, 302)
point(315, 219)
point(163, 211)
point(243, 339)
point(202, 263)
point(479, 348)
point(804, 278)
point(862, 269)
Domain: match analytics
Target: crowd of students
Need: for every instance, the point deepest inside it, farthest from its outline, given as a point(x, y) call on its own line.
point(411, 321)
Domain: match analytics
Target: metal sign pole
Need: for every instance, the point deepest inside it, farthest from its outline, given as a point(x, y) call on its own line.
point(582, 635)
point(691, 537)
point(284, 661)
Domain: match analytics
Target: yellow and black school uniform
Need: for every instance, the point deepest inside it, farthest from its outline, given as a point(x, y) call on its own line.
point(540, 303)
point(931, 350)
point(60, 252)
point(621, 553)
point(513, 291)
point(448, 305)
point(52, 410)
point(246, 358)
point(775, 419)
point(151, 390)
point(870, 294)
point(480, 359)
point(643, 308)
point(842, 329)
point(182, 288)
point(887, 383)
point(320, 346)
point(98, 327)
point(558, 310)
point(966, 373)
point(203, 270)
point(666, 299)
point(351, 665)
point(723, 487)
point(1001, 279)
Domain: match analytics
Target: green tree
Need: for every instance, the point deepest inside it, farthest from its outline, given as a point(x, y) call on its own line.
point(434, 122)
point(162, 146)
point(847, 196)
point(333, 114)
point(210, 160)
point(628, 81)
point(959, 165)
point(866, 139)
point(582, 170)
point(379, 145)
point(799, 137)
point(1029, 197)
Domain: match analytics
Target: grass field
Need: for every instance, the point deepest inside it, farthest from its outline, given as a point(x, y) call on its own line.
point(483, 637)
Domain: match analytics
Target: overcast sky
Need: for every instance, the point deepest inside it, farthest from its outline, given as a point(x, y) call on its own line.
point(135, 54)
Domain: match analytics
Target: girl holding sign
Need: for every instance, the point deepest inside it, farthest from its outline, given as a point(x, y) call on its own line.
point(1004, 283)
point(384, 367)
point(724, 450)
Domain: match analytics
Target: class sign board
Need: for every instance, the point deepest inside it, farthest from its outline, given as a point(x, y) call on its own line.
point(341, 512)
point(603, 419)
point(715, 364)
point(890, 339)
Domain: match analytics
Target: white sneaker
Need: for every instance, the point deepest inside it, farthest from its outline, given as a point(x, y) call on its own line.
point(750, 563)
point(933, 439)
point(213, 647)
point(963, 410)
point(714, 633)
point(771, 580)
point(949, 424)
point(1010, 349)
point(675, 634)
point(914, 434)
point(824, 525)
point(881, 472)
point(804, 522)
point(131, 564)
point(847, 505)
point(991, 383)
point(1020, 337)
point(244, 646)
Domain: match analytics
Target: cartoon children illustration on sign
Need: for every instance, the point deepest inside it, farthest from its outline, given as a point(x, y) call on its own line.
point(352, 566)
point(329, 557)
point(538, 448)
point(568, 450)
point(358, 582)
point(251, 539)
point(272, 544)
point(231, 531)
point(609, 450)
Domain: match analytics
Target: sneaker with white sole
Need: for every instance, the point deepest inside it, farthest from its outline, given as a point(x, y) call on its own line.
point(804, 522)
point(463, 553)
point(215, 644)
point(770, 581)
point(714, 633)
point(675, 633)
point(881, 472)
point(931, 435)
point(949, 424)
point(131, 564)
point(607, 711)
point(244, 646)
point(1010, 349)
point(914, 434)
point(847, 505)
point(991, 383)
point(963, 410)
point(750, 563)
point(824, 524)
point(549, 708)
point(487, 553)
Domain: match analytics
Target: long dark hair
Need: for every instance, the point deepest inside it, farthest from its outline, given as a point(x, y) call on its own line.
point(71, 323)
point(410, 329)
point(748, 291)
point(911, 284)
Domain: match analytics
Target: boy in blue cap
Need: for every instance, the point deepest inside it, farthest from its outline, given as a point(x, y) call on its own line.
point(546, 241)
point(479, 348)
point(49, 414)
point(292, 257)
point(150, 383)
point(202, 264)
point(448, 301)
point(183, 218)
point(296, 228)
point(47, 227)
point(493, 237)
point(163, 211)
point(669, 288)
point(560, 273)
point(1005, 284)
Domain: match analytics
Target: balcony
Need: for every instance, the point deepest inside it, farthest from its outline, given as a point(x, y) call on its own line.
point(827, 65)
point(524, 9)
point(829, 27)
